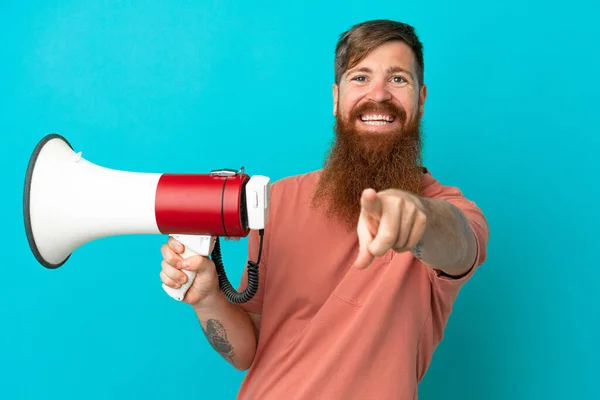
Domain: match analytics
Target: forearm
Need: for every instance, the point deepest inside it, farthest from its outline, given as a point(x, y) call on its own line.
point(448, 243)
point(228, 329)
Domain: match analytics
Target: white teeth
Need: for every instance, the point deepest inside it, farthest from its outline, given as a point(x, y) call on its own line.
point(377, 123)
point(382, 118)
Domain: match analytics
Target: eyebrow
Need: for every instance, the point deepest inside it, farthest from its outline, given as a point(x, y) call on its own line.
point(390, 70)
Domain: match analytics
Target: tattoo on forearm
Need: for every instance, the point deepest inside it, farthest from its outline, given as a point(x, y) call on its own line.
point(416, 251)
point(217, 336)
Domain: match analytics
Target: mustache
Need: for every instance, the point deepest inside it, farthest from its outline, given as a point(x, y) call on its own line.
point(384, 107)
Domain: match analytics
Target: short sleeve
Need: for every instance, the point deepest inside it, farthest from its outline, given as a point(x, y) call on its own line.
point(445, 288)
point(479, 227)
point(254, 305)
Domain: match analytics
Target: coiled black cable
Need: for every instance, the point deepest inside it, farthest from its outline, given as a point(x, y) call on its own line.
point(252, 270)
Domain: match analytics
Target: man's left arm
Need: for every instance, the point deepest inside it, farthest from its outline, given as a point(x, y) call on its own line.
point(448, 243)
point(434, 230)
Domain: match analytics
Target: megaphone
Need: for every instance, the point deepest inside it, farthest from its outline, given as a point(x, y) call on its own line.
point(69, 201)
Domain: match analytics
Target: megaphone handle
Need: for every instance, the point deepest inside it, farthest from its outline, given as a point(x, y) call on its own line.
point(194, 245)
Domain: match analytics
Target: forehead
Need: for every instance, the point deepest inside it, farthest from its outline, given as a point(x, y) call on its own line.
point(386, 55)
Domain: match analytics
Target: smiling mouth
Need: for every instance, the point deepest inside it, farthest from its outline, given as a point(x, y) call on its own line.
point(377, 119)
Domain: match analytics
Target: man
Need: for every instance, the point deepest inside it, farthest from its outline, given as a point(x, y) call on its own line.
point(362, 260)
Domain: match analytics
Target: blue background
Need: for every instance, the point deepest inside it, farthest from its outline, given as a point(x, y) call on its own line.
point(190, 86)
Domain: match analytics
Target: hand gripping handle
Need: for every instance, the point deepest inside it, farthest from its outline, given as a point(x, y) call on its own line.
point(194, 245)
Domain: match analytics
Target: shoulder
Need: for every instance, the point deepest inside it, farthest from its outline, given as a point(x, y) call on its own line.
point(292, 193)
point(433, 188)
point(298, 179)
point(294, 184)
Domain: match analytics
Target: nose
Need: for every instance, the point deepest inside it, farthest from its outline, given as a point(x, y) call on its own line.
point(379, 92)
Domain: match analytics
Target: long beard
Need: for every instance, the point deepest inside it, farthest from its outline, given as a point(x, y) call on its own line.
point(357, 161)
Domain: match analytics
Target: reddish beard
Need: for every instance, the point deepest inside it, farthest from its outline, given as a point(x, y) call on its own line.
point(360, 160)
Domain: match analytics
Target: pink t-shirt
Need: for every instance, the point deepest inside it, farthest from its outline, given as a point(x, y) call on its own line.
point(329, 331)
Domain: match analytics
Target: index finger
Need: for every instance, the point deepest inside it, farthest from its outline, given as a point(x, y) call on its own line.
point(371, 204)
point(170, 256)
point(364, 257)
point(175, 245)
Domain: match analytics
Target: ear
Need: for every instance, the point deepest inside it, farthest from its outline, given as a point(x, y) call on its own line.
point(335, 90)
point(422, 97)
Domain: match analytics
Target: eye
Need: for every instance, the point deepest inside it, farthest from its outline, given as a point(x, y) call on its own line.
point(360, 78)
point(399, 79)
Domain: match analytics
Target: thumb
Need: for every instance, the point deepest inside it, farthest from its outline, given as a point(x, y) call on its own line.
point(364, 258)
point(193, 263)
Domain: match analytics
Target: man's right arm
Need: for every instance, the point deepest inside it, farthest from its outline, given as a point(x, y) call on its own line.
point(230, 330)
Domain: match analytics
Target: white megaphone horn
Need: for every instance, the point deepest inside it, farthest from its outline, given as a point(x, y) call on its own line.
point(69, 201)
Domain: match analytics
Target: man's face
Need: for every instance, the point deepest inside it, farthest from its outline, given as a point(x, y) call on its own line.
point(378, 108)
point(381, 94)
